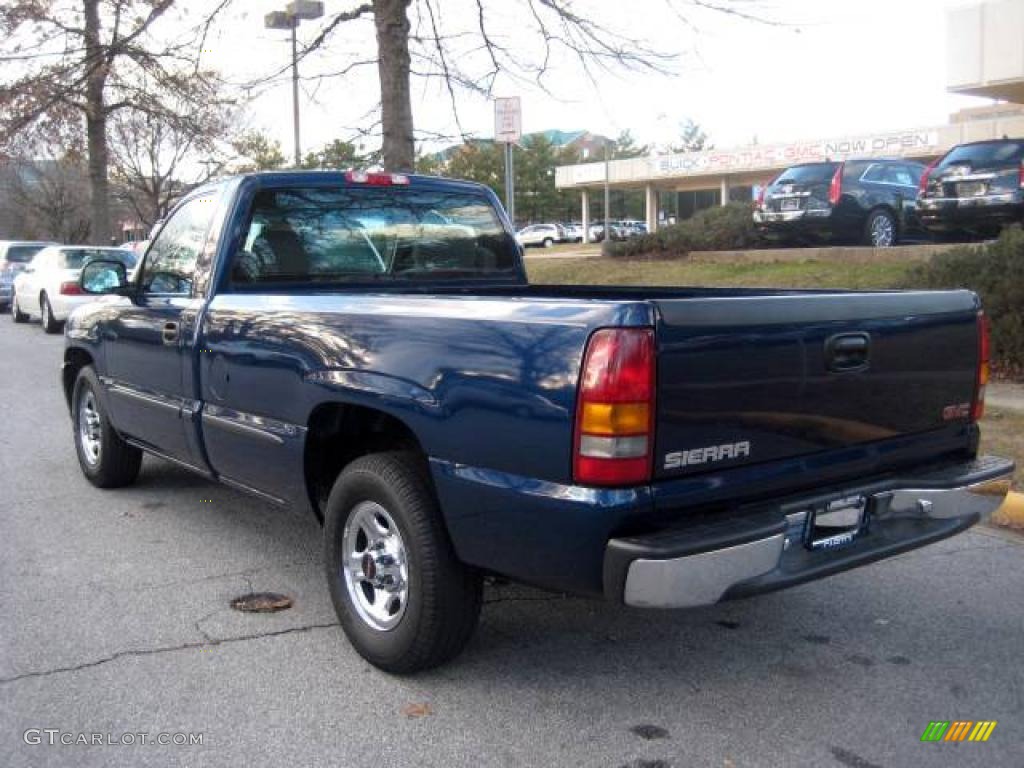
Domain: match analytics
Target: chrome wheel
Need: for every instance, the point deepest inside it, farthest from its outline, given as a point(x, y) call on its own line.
point(883, 232)
point(375, 566)
point(90, 428)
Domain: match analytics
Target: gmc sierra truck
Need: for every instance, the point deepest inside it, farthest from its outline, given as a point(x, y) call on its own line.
point(366, 347)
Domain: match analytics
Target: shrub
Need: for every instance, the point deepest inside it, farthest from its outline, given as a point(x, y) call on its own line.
point(727, 227)
point(996, 273)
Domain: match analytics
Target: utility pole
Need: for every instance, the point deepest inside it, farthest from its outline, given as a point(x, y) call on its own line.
point(290, 18)
point(607, 193)
point(295, 93)
point(510, 183)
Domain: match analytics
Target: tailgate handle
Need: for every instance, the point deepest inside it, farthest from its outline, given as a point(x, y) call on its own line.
point(847, 352)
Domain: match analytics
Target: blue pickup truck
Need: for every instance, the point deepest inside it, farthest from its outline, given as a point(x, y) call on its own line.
point(366, 347)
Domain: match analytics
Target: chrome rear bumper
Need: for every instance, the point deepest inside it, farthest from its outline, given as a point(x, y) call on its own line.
point(903, 514)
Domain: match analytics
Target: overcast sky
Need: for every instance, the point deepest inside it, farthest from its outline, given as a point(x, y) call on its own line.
point(828, 68)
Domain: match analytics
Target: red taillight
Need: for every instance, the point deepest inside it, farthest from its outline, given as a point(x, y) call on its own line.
point(614, 435)
point(922, 186)
point(377, 179)
point(984, 352)
point(761, 193)
point(1020, 175)
point(71, 288)
point(835, 188)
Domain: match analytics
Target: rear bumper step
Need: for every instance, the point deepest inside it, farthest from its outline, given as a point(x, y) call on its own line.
point(760, 551)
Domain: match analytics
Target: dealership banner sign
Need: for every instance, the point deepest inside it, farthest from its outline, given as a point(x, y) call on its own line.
point(755, 157)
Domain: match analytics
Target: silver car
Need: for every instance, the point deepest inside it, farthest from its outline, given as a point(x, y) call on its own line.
point(545, 235)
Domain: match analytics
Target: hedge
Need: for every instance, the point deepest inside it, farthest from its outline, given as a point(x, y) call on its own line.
point(995, 271)
point(722, 228)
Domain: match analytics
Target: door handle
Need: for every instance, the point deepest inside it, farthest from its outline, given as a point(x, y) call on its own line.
point(170, 333)
point(847, 352)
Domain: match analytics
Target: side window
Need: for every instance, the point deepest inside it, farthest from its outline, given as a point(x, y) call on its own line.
point(875, 173)
point(171, 259)
point(907, 175)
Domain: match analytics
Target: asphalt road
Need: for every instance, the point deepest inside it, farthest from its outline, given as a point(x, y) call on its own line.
point(115, 619)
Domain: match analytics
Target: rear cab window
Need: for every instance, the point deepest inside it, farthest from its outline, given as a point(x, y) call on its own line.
point(341, 235)
point(77, 258)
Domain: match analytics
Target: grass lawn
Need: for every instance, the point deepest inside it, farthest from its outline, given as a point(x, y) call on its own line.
point(800, 274)
point(1002, 434)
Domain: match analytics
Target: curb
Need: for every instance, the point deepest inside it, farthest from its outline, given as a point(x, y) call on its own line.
point(1011, 513)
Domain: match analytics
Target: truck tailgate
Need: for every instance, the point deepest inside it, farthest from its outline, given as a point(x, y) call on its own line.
point(750, 379)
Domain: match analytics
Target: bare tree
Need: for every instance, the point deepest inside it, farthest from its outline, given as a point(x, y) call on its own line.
point(155, 161)
point(86, 60)
point(467, 48)
point(49, 194)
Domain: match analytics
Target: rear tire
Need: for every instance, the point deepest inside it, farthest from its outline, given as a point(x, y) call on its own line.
point(50, 324)
point(548, 242)
point(16, 314)
point(107, 461)
point(880, 229)
point(405, 601)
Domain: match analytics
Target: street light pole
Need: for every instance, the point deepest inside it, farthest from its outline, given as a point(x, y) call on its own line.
point(290, 18)
point(607, 192)
point(295, 92)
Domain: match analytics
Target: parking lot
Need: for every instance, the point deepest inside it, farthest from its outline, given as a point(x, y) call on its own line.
point(116, 620)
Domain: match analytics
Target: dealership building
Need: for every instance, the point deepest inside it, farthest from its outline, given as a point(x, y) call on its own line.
point(985, 50)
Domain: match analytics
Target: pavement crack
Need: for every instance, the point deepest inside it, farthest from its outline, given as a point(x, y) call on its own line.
point(165, 649)
point(526, 599)
point(198, 625)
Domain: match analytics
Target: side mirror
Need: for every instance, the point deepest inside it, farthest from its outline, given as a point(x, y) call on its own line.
point(103, 276)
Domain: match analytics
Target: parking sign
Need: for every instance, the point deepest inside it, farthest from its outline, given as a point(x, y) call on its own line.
point(508, 120)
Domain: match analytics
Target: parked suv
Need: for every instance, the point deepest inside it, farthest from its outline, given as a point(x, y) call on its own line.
point(870, 201)
point(540, 234)
point(14, 257)
point(974, 188)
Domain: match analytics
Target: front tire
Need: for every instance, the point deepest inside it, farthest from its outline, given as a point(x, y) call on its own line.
point(548, 242)
point(405, 601)
point(107, 461)
point(880, 229)
point(16, 314)
point(50, 324)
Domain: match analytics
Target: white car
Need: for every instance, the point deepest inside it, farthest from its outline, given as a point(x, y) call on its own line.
point(48, 286)
point(574, 232)
point(540, 234)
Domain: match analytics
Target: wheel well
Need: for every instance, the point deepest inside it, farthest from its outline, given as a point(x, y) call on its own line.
point(893, 214)
point(74, 361)
point(339, 433)
point(888, 209)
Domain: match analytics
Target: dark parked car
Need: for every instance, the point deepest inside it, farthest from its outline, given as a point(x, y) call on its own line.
point(14, 257)
point(974, 188)
point(869, 201)
point(366, 348)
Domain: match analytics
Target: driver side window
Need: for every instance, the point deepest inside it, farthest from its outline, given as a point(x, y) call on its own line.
point(171, 259)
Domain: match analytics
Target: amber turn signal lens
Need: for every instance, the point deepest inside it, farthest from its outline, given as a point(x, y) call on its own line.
point(615, 418)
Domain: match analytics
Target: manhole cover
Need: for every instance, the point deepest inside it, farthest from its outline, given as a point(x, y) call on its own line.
point(262, 602)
